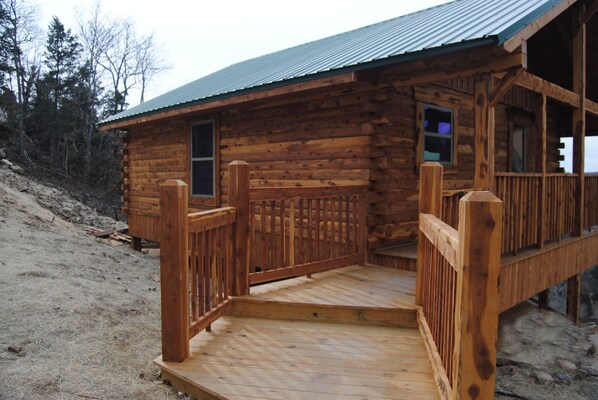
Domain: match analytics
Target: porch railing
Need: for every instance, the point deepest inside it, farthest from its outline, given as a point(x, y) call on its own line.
point(591, 201)
point(457, 287)
point(537, 208)
point(208, 257)
point(297, 231)
point(196, 268)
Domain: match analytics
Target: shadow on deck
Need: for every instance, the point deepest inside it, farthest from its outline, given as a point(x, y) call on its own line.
point(348, 332)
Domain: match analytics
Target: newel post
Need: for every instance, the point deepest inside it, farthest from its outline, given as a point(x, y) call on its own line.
point(430, 202)
point(174, 270)
point(238, 197)
point(480, 232)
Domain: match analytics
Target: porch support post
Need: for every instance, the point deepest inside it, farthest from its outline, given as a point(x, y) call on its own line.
point(484, 134)
point(579, 133)
point(238, 197)
point(573, 295)
point(579, 118)
point(542, 139)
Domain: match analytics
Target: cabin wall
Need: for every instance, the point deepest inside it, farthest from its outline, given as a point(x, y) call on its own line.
point(360, 134)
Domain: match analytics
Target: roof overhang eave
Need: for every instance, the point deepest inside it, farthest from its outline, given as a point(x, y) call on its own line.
point(216, 101)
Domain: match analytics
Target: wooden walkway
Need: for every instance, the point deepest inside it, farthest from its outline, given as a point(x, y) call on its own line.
point(343, 334)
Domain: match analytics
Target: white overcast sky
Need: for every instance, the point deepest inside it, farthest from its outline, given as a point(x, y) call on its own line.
point(200, 37)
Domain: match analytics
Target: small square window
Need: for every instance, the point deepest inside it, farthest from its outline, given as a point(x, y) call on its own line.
point(438, 134)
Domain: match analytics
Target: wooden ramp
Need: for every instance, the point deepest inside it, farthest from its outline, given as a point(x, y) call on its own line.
point(351, 333)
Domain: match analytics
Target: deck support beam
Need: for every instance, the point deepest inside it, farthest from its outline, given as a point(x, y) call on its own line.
point(573, 297)
point(136, 243)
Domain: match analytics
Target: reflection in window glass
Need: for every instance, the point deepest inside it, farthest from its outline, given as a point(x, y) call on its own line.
point(438, 134)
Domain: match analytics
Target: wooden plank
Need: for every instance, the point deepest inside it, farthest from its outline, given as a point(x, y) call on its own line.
point(287, 193)
point(252, 308)
point(211, 219)
point(480, 228)
point(210, 317)
point(298, 270)
point(536, 84)
point(504, 86)
point(442, 236)
point(235, 100)
point(174, 270)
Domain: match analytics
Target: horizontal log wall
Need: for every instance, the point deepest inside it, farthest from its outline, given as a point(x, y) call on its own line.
point(349, 135)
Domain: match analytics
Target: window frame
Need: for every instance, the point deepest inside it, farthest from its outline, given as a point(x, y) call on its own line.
point(203, 199)
point(422, 134)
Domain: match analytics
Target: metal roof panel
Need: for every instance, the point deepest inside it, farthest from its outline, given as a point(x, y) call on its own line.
point(452, 23)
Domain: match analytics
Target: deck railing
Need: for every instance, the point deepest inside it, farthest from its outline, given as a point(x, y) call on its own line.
point(591, 201)
point(205, 257)
point(196, 268)
point(297, 231)
point(457, 287)
point(537, 208)
point(211, 266)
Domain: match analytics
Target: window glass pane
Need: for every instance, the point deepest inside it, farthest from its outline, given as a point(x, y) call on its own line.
point(438, 121)
point(202, 140)
point(202, 178)
point(438, 149)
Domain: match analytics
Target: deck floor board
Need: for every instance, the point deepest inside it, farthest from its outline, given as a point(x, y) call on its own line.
point(274, 359)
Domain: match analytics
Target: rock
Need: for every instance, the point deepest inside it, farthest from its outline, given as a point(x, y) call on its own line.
point(567, 365)
point(3, 153)
point(563, 377)
point(542, 377)
point(592, 350)
point(7, 162)
point(16, 169)
point(588, 369)
point(14, 349)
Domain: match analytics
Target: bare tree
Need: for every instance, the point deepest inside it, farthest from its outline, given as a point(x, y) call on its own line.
point(21, 37)
point(150, 62)
point(97, 35)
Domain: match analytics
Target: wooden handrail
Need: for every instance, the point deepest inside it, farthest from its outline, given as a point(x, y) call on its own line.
point(298, 231)
point(287, 193)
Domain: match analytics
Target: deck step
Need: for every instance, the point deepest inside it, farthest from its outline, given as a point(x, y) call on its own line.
point(403, 256)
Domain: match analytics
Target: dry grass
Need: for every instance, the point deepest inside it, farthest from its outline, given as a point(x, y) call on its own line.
point(79, 319)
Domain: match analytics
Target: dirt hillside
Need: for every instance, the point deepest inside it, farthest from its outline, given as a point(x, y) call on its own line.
point(79, 316)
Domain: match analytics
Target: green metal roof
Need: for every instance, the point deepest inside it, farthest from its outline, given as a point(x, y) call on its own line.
point(458, 24)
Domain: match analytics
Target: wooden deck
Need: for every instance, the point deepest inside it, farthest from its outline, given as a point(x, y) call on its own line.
point(372, 286)
point(343, 334)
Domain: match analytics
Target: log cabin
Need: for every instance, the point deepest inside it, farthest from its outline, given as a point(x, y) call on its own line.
point(369, 147)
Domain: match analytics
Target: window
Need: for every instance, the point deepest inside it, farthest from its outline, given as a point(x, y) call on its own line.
point(202, 159)
point(519, 150)
point(438, 134)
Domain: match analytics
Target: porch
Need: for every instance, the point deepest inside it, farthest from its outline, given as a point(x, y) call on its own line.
point(314, 324)
point(353, 331)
